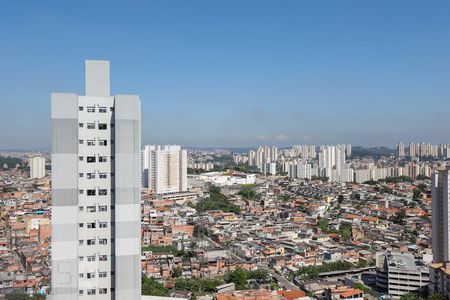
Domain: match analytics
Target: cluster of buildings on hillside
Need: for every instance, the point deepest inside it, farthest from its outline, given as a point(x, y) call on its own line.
point(102, 221)
point(302, 162)
point(423, 150)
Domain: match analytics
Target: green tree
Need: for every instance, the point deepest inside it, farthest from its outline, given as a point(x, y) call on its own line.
point(345, 229)
point(284, 197)
point(151, 287)
point(399, 218)
point(177, 272)
point(365, 289)
point(261, 276)
point(239, 277)
point(436, 296)
point(217, 201)
point(410, 296)
point(247, 193)
point(24, 296)
point(323, 224)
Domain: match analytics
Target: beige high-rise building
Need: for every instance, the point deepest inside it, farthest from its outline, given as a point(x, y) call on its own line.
point(401, 150)
point(164, 169)
point(37, 167)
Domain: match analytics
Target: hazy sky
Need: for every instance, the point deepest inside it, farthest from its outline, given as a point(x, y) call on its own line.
point(236, 73)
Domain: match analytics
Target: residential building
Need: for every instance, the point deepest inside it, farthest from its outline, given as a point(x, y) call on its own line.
point(440, 216)
point(37, 167)
point(400, 273)
point(96, 191)
point(165, 168)
point(401, 150)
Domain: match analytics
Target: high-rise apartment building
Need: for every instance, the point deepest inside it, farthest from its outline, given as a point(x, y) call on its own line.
point(440, 224)
point(400, 150)
point(164, 169)
point(441, 215)
point(96, 192)
point(37, 167)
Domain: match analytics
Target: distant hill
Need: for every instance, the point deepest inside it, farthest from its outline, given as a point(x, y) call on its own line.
point(359, 151)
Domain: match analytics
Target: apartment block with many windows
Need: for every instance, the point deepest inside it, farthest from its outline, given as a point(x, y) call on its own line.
point(95, 191)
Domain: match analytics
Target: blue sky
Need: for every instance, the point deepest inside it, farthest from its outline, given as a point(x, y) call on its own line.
point(236, 73)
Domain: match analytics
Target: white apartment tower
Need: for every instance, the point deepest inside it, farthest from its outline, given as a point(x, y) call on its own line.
point(164, 169)
point(96, 192)
point(37, 167)
point(440, 216)
point(401, 150)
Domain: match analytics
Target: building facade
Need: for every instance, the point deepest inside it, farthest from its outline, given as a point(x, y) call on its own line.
point(400, 273)
point(37, 167)
point(440, 269)
point(96, 191)
point(164, 169)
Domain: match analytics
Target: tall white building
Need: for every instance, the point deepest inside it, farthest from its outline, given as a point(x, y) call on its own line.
point(164, 168)
point(96, 192)
point(37, 167)
point(401, 150)
point(440, 215)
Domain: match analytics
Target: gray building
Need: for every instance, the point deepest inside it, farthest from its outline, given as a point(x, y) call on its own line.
point(96, 191)
point(400, 273)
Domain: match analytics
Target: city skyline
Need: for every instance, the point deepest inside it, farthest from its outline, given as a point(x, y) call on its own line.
point(237, 74)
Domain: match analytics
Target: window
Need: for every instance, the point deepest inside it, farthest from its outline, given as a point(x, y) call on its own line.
point(102, 225)
point(103, 241)
point(102, 109)
point(80, 242)
point(90, 242)
point(80, 175)
point(91, 292)
point(102, 257)
point(80, 125)
point(102, 159)
point(81, 275)
point(91, 192)
point(80, 192)
point(80, 258)
point(80, 142)
point(91, 258)
point(90, 208)
point(81, 208)
point(90, 109)
point(81, 225)
point(90, 159)
point(111, 108)
point(80, 158)
point(103, 290)
point(91, 142)
point(80, 292)
point(90, 125)
point(102, 274)
point(102, 126)
point(103, 208)
point(80, 108)
point(102, 142)
point(91, 225)
point(102, 175)
point(102, 192)
point(90, 175)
